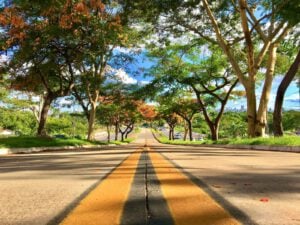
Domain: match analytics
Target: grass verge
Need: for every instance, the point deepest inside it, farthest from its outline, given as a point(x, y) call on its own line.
point(272, 141)
point(127, 141)
point(27, 142)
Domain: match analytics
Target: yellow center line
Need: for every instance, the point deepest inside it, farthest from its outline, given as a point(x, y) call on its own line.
point(104, 205)
point(188, 203)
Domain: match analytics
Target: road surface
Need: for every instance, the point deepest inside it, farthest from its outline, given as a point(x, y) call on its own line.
point(150, 183)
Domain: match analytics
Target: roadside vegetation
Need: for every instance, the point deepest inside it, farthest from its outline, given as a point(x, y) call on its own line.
point(270, 141)
point(73, 69)
point(27, 142)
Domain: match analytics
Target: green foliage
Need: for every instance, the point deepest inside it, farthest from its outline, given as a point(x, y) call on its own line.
point(22, 122)
point(107, 113)
point(288, 11)
point(234, 124)
point(66, 124)
point(200, 126)
point(272, 141)
point(290, 121)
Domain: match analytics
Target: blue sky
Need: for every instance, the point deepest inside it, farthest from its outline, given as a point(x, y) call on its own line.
point(292, 95)
point(291, 100)
point(134, 72)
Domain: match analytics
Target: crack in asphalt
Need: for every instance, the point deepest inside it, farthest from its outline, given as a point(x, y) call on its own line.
point(148, 214)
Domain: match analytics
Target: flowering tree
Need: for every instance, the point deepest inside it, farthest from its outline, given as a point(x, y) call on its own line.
point(58, 41)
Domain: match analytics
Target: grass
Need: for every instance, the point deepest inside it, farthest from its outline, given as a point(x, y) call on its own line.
point(26, 142)
point(128, 140)
point(275, 141)
point(272, 141)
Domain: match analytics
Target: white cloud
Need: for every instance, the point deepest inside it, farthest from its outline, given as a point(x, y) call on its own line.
point(152, 103)
point(144, 82)
point(124, 77)
point(127, 50)
point(4, 58)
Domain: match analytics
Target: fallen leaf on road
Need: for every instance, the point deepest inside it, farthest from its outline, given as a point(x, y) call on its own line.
point(264, 199)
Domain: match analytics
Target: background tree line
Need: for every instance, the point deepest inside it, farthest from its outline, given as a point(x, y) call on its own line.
point(205, 48)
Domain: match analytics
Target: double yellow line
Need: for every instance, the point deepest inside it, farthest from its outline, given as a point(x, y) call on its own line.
point(188, 204)
point(104, 205)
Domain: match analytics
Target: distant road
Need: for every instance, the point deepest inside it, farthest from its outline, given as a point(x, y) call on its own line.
point(151, 183)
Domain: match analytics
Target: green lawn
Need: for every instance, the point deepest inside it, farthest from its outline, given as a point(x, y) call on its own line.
point(274, 141)
point(26, 142)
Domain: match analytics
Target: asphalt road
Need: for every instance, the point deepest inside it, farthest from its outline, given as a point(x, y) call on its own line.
point(35, 188)
point(255, 187)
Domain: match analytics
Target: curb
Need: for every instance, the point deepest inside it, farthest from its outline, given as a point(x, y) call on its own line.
point(293, 149)
point(7, 151)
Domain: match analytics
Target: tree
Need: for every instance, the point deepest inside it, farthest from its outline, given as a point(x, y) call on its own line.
point(209, 77)
point(289, 76)
point(128, 116)
point(64, 40)
point(186, 109)
point(118, 108)
point(104, 29)
point(170, 117)
point(248, 32)
point(148, 112)
point(107, 116)
point(13, 97)
point(184, 106)
point(43, 53)
point(290, 13)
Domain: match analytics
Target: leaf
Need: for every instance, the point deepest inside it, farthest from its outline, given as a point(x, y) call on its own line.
point(264, 200)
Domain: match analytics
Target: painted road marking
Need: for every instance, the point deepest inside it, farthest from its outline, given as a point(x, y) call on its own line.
point(104, 205)
point(145, 203)
point(135, 210)
point(188, 203)
point(159, 212)
point(172, 197)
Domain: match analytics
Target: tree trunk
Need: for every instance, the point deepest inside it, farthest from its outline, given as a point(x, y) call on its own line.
point(108, 132)
point(214, 131)
point(129, 131)
point(44, 114)
point(92, 122)
point(116, 131)
point(277, 115)
point(261, 117)
point(213, 126)
point(251, 108)
point(186, 130)
point(122, 136)
point(190, 130)
point(124, 133)
point(170, 134)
